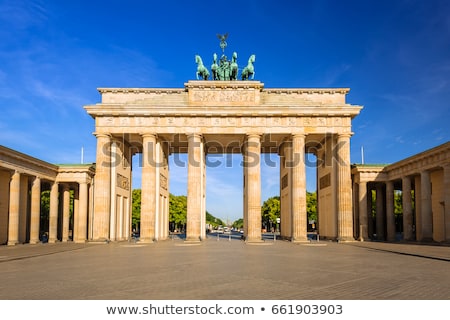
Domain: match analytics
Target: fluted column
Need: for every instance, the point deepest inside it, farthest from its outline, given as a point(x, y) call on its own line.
point(53, 219)
point(447, 201)
point(82, 213)
point(344, 189)
point(148, 192)
point(252, 163)
point(380, 214)
point(425, 212)
point(65, 213)
point(102, 190)
point(407, 209)
point(14, 209)
point(35, 210)
point(194, 187)
point(298, 195)
point(363, 217)
point(390, 218)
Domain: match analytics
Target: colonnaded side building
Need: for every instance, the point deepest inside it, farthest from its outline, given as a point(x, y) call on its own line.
point(216, 117)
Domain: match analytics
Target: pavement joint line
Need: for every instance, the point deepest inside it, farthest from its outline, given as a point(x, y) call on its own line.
point(405, 253)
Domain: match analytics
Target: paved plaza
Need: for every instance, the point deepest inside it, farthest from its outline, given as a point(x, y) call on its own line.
point(221, 268)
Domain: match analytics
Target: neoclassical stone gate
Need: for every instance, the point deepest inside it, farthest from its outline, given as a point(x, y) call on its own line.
point(208, 117)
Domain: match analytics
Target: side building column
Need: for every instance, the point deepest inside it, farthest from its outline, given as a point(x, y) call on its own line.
point(380, 214)
point(298, 195)
point(425, 212)
point(14, 209)
point(390, 218)
point(53, 215)
point(363, 217)
point(35, 210)
point(344, 189)
point(252, 167)
point(407, 209)
point(65, 213)
point(82, 214)
point(102, 190)
point(447, 201)
point(148, 193)
point(195, 188)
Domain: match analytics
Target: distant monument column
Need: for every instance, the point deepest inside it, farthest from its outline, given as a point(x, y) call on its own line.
point(102, 189)
point(14, 209)
point(149, 188)
point(195, 208)
point(344, 189)
point(252, 167)
point(298, 195)
point(35, 210)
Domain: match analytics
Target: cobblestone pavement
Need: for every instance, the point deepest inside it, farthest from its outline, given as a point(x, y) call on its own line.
point(219, 269)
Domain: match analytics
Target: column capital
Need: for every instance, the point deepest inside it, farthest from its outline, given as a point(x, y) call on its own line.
point(344, 135)
point(253, 135)
point(148, 134)
point(102, 135)
point(299, 135)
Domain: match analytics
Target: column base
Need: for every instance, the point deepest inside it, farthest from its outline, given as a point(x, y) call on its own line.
point(146, 240)
point(255, 240)
point(80, 241)
point(300, 241)
point(193, 240)
point(12, 243)
point(34, 242)
point(346, 239)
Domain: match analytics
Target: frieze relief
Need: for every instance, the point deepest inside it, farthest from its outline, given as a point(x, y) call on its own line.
point(222, 96)
point(217, 121)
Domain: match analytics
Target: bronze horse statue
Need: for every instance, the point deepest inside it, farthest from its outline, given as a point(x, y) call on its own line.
point(249, 70)
point(201, 69)
point(234, 67)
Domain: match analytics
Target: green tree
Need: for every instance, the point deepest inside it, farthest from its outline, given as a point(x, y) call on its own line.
point(238, 224)
point(311, 205)
point(136, 209)
point(270, 211)
point(177, 211)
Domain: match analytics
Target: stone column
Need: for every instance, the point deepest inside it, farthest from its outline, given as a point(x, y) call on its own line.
point(425, 201)
point(344, 188)
point(363, 216)
point(407, 209)
point(102, 189)
point(253, 168)
point(82, 214)
point(148, 193)
point(14, 209)
point(390, 217)
point(298, 196)
point(194, 187)
point(370, 224)
point(379, 218)
point(53, 219)
point(35, 210)
point(447, 201)
point(66, 212)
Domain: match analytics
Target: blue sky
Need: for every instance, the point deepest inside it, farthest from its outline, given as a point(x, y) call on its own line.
point(393, 55)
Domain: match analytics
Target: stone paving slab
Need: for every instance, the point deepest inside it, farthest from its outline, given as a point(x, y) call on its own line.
point(225, 270)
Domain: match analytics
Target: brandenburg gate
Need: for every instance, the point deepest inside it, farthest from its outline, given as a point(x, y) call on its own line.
point(220, 116)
